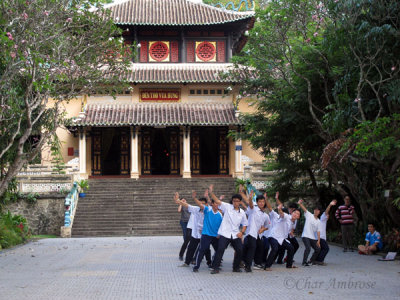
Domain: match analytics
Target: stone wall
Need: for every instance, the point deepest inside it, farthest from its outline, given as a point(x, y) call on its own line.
point(46, 216)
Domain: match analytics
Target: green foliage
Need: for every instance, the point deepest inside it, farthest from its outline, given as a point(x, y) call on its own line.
point(83, 185)
point(380, 137)
point(30, 198)
point(51, 51)
point(13, 230)
point(11, 194)
point(324, 78)
point(239, 181)
point(57, 159)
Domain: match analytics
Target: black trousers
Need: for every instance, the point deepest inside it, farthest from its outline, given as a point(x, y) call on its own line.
point(193, 243)
point(253, 249)
point(324, 251)
point(222, 244)
point(249, 249)
point(308, 243)
point(275, 249)
point(266, 247)
point(185, 242)
point(204, 249)
point(295, 245)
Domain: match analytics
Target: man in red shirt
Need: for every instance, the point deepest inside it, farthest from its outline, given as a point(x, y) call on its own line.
point(345, 215)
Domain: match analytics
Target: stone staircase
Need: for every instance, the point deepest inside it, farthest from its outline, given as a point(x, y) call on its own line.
point(127, 207)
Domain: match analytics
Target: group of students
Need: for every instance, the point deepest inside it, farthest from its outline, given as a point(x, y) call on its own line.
point(256, 232)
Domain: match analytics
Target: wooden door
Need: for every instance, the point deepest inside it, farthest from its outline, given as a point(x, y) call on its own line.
point(223, 151)
point(174, 151)
point(195, 151)
point(96, 152)
point(125, 151)
point(146, 152)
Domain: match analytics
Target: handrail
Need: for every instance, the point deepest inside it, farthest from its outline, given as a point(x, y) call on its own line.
point(70, 204)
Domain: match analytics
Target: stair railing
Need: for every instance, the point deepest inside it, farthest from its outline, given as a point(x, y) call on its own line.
point(70, 205)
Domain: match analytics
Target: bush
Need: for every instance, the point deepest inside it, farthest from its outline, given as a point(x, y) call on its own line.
point(13, 230)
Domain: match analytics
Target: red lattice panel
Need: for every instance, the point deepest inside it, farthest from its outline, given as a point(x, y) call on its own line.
point(159, 51)
point(143, 51)
point(174, 51)
point(221, 51)
point(190, 51)
point(205, 51)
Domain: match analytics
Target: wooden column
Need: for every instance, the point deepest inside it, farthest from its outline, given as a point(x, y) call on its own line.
point(82, 153)
point(238, 159)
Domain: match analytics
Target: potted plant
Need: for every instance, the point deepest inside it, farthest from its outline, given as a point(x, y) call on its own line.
point(83, 185)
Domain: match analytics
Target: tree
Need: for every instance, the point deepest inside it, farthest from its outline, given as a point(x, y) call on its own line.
point(326, 77)
point(51, 52)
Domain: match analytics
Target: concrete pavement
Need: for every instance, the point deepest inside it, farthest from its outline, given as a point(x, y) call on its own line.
point(147, 268)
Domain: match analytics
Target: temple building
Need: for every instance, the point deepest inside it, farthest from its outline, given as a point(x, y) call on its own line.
point(175, 118)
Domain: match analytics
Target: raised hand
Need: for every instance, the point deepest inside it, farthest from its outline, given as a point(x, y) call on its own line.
point(300, 201)
point(194, 194)
point(206, 194)
point(211, 188)
point(222, 197)
point(333, 202)
point(251, 195)
point(277, 195)
point(176, 196)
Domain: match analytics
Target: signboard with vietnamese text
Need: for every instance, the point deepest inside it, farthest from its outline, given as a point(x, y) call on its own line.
point(164, 95)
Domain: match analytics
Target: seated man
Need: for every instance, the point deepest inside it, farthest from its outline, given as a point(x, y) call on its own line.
point(373, 241)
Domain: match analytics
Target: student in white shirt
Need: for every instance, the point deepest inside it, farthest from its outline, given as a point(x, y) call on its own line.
point(258, 222)
point(282, 222)
point(291, 236)
point(311, 234)
point(229, 231)
point(322, 229)
point(198, 218)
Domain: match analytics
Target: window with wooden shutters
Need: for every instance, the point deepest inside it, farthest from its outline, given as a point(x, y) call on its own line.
point(143, 51)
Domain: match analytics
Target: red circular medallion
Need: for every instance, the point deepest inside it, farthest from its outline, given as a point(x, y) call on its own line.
point(205, 51)
point(159, 51)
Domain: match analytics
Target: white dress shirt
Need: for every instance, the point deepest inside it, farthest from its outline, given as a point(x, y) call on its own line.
point(198, 218)
point(257, 219)
point(281, 226)
point(190, 222)
point(232, 220)
point(311, 226)
point(322, 226)
point(267, 233)
point(292, 227)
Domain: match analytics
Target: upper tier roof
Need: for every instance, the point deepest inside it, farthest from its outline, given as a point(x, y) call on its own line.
point(172, 12)
point(177, 73)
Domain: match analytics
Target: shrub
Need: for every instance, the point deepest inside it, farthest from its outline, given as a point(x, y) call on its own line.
point(13, 230)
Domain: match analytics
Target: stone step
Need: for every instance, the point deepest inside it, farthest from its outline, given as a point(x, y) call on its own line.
point(126, 207)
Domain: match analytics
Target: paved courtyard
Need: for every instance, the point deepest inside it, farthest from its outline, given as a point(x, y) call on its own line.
point(147, 268)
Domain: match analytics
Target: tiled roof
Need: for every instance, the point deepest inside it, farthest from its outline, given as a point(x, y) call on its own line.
point(150, 114)
point(172, 12)
point(176, 73)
